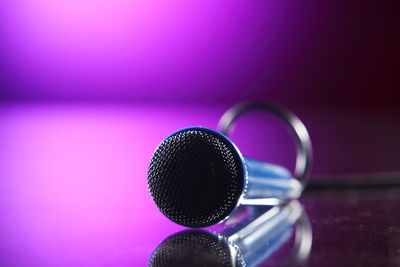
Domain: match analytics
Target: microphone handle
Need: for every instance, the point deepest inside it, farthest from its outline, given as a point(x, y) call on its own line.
point(269, 184)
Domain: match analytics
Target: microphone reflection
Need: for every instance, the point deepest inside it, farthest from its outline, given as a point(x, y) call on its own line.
point(248, 238)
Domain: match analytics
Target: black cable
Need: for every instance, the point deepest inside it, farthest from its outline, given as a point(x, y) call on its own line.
point(356, 181)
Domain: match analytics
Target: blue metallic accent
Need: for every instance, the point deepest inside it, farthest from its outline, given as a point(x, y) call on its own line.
point(266, 180)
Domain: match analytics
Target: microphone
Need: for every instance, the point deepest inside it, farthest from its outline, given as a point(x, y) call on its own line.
point(197, 177)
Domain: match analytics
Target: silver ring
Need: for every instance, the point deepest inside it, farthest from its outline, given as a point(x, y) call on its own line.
point(303, 142)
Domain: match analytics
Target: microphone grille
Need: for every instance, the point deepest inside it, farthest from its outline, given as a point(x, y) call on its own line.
point(192, 248)
point(195, 177)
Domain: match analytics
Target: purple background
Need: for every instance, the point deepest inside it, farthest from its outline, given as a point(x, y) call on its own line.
point(313, 52)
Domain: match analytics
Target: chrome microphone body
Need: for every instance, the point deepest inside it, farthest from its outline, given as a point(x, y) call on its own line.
point(268, 184)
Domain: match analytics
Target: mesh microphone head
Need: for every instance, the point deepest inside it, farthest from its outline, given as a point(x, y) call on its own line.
point(192, 248)
point(196, 177)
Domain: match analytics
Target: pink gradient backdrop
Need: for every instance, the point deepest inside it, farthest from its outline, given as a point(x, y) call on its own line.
point(303, 52)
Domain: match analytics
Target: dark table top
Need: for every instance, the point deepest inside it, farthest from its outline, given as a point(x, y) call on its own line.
point(354, 227)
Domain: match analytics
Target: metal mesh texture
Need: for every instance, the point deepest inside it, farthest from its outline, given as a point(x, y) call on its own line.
point(196, 177)
point(192, 248)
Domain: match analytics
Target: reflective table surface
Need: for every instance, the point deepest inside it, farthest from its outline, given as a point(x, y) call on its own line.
point(73, 192)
